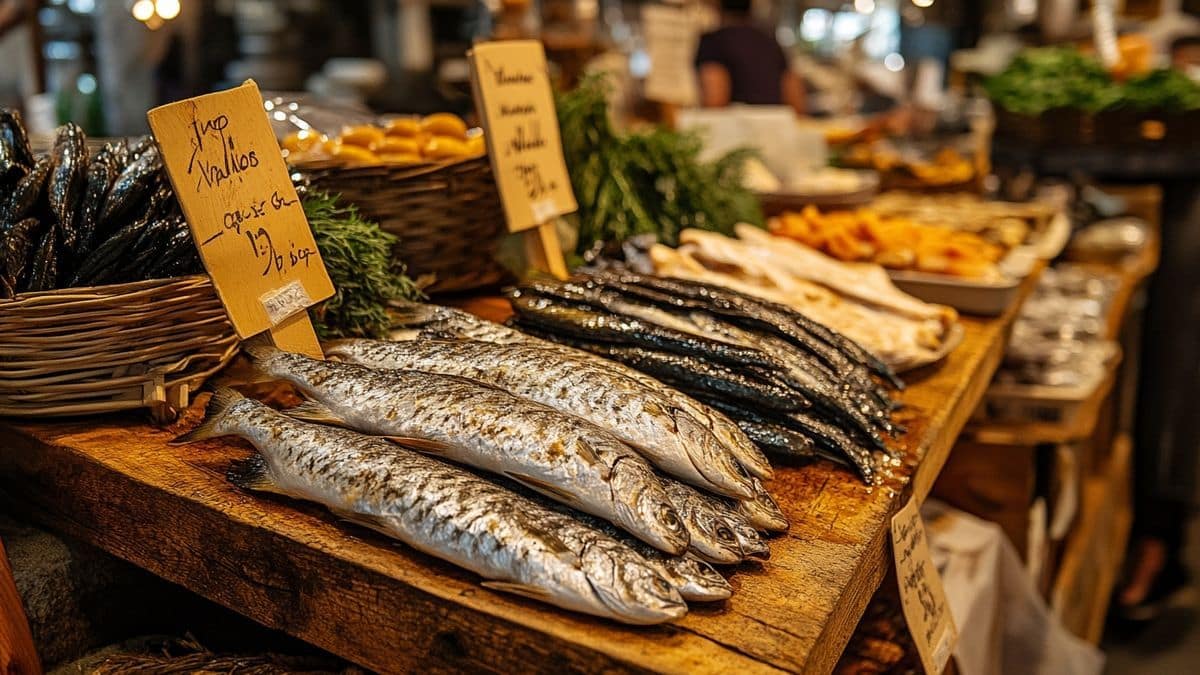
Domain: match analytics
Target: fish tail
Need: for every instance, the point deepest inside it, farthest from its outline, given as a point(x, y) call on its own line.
point(214, 414)
point(339, 348)
point(406, 313)
point(260, 350)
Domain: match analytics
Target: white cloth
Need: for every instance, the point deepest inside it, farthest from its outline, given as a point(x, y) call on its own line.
point(1004, 625)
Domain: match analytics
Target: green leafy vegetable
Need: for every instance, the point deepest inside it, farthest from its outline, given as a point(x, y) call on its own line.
point(1053, 77)
point(1061, 77)
point(358, 256)
point(1163, 89)
point(645, 182)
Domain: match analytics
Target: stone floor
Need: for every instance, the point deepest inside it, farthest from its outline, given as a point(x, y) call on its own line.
point(1172, 643)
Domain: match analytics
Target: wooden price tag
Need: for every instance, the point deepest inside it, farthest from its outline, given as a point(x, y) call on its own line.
point(244, 213)
point(921, 593)
point(516, 104)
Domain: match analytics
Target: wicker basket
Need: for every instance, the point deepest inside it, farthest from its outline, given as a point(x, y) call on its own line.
point(447, 215)
point(146, 344)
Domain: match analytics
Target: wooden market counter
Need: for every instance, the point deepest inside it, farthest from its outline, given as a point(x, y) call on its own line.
point(115, 483)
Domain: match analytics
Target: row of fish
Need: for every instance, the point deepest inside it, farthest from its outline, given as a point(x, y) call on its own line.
point(75, 219)
point(608, 492)
point(794, 386)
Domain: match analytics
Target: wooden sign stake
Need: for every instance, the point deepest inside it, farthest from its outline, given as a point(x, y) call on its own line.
point(544, 251)
point(296, 334)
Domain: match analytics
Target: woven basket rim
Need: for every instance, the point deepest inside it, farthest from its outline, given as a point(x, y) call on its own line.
point(332, 166)
point(105, 292)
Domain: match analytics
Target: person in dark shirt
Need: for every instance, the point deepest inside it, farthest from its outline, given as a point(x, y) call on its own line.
point(741, 63)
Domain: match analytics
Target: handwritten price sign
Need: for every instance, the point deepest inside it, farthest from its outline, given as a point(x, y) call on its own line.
point(512, 91)
point(243, 211)
point(921, 595)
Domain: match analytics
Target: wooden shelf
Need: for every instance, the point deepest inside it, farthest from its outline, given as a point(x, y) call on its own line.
point(1095, 550)
point(1132, 274)
point(115, 483)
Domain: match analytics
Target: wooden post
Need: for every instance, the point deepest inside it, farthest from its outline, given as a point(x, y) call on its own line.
point(543, 250)
point(17, 653)
point(36, 41)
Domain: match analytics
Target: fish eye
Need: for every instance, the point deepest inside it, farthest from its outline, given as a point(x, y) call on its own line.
point(725, 534)
point(662, 586)
point(671, 520)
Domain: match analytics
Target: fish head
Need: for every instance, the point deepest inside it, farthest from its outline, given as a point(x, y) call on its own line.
point(766, 512)
point(712, 535)
point(629, 587)
point(697, 580)
point(749, 540)
point(644, 507)
point(711, 459)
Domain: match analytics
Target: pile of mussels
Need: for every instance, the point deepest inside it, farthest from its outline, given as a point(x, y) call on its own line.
point(69, 219)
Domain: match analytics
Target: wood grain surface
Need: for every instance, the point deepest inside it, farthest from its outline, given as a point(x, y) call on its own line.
point(115, 483)
point(17, 653)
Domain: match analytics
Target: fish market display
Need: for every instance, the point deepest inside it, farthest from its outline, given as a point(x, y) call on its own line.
point(667, 436)
point(1061, 337)
point(800, 388)
point(857, 300)
point(1007, 224)
point(895, 242)
point(433, 322)
point(561, 456)
point(518, 545)
point(69, 219)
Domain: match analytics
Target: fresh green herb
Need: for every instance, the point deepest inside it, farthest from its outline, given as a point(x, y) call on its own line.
point(1061, 77)
point(1163, 89)
point(645, 182)
point(358, 256)
point(1053, 77)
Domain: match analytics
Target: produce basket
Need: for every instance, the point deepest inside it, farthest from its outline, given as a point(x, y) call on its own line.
point(146, 344)
point(447, 215)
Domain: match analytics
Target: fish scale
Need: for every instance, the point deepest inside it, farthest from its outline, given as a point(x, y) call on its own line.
point(447, 323)
point(561, 456)
point(437, 508)
point(650, 423)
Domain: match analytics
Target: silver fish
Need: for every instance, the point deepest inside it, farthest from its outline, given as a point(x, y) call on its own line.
point(432, 321)
point(667, 436)
point(561, 456)
point(695, 579)
point(762, 512)
point(717, 514)
point(710, 523)
point(519, 546)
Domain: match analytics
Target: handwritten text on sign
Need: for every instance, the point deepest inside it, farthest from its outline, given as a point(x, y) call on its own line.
point(513, 93)
point(921, 594)
point(245, 216)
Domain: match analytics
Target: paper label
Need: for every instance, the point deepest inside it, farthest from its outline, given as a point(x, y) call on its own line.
point(513, 95)
point(284, 302)
point(672, 34)
point(921, 593)
point(244, 213)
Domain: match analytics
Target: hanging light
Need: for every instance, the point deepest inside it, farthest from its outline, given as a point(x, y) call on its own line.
point(154, 13)
point(167, 9)
point(143, 10)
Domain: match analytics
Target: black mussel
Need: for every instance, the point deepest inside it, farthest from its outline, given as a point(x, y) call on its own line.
point(43, 272)
point(16, 252)
point(25, 196)
point(131, 188)
point(16, 159)
point(67, 183)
